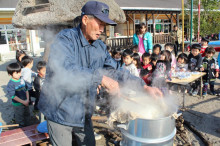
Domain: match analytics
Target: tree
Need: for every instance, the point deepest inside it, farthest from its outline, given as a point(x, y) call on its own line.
point(209, 16)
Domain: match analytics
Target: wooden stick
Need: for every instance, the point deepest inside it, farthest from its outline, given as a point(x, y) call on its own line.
point(99, 118)
point(5, 126)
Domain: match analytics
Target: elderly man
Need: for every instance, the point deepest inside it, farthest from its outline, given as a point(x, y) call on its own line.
point(78, 64)
point(176, 34)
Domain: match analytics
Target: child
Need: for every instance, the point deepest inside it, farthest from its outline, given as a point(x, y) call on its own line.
point(195, 58)
point(135, 50)
point(146, 68)
point(128, 61)
point(157, 49)
point(194, 64)
point(20, 97)
point(182, 63)
point(137, 61)
point(19, 55)
point(162, 72)
point(27, 74)
point(116, 54)
point(109, 49)
point(143, 39)
point(154, 58)
point(170, 47)
point(39, 80)
point(204, 44)
point(210, 67)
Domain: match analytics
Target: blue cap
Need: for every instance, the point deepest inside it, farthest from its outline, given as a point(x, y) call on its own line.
point(99, 10)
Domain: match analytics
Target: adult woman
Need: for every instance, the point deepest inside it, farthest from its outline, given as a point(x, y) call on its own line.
point(143, 39)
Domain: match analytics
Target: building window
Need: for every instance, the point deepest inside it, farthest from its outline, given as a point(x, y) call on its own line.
point(2, 37)
point(15, 38)
point(161, 25)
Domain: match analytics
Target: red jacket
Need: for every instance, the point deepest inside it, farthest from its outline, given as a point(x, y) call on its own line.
point(147, 74)
point(202, 52)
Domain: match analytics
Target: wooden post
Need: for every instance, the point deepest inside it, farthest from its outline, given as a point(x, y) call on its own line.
point(171, 19)
point(111, 30)
point(147, 22)
point(153, 27)
point(183, 26)
point(128, 28)
point(134, 24)
point(177, 20)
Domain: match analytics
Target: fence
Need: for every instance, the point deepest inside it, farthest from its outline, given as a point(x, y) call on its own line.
point(162, 39)
point(120, 42)
point(125, 42)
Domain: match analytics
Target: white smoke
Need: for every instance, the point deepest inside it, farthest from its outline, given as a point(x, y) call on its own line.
point(133, 104)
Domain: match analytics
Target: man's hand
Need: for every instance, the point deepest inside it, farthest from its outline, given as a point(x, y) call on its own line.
point(111, 85)
point(152, 91)
point(98, 89)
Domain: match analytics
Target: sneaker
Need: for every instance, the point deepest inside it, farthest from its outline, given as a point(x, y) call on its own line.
point(97, 136)
point(204, 94)
point(195, 92)
point(213, 93)
point(190, 91)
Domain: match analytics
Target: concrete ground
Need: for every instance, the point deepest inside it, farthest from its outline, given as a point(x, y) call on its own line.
point(202, 113)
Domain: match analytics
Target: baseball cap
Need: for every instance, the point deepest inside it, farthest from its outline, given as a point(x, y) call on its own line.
point(99, 10)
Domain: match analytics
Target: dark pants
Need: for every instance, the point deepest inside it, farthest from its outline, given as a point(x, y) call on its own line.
point(33, 93)
point(61, 135)
point(22, 115)
point(176, 48)
point(37, 96)
point(211, 84)
point(196, 85)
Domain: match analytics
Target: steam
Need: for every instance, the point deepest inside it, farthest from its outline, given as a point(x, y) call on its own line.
point(135, 104)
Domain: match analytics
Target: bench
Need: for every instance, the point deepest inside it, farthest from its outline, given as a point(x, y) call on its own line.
point(22, 136)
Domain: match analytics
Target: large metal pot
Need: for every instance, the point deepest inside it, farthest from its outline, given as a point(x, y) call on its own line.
point(155, 132)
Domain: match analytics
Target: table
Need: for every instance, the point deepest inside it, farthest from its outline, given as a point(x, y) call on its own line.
point(187, 81)
point(22, 136)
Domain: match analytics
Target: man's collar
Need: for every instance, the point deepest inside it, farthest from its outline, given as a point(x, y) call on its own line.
point(83, 40)
point(81, 36)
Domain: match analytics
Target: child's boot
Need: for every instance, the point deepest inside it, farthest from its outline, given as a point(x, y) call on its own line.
point(205, 88)
point(212, 88)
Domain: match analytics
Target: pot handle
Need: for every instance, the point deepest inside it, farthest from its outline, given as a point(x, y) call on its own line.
point(122, 126)
point(176, 115)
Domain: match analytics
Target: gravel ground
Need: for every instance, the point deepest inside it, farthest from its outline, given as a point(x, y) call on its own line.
point(203, 114)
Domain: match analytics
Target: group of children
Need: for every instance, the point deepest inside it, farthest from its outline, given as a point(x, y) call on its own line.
point(23, 85)
point(156, 69)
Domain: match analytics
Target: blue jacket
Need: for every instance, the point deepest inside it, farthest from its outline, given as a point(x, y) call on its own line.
point(148, 42)
point(75, 68)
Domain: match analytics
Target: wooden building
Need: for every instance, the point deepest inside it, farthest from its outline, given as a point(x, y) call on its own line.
point(159, 15)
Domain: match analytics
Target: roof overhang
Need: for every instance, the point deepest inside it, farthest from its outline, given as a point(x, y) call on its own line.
point(150, 8)
point(7, 9)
